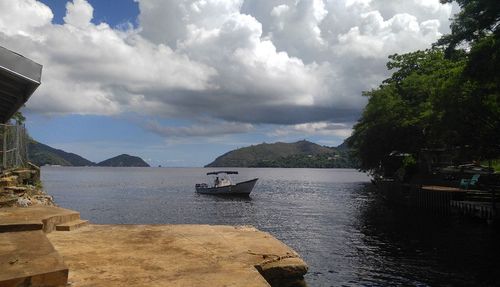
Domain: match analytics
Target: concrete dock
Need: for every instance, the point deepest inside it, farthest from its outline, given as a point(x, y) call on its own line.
point(175, 255)
point(138, 255)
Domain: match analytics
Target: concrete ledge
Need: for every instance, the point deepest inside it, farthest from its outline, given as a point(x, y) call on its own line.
point(13, 218)
point(177, 255)
point(14, 227)
point(27, 258)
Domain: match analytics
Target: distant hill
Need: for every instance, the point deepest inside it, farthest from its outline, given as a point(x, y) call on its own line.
point(124, 160)
point(41, 154)
point(303, 154)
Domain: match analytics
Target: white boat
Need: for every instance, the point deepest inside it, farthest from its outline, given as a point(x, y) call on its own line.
point(223, 185)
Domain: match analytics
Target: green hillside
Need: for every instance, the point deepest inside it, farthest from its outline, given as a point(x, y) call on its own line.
point(303, 154)
point(41, 154)
point(124, 160)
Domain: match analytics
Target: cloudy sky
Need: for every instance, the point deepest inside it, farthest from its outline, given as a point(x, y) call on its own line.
point(180, 82)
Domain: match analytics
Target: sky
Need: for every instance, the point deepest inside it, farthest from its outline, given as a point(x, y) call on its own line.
point(179, 83)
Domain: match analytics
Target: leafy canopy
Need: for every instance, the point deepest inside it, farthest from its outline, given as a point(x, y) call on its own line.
point(445, 97)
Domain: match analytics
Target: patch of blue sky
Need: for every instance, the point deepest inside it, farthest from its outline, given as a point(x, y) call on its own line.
point(104, 11)
point(60, 129)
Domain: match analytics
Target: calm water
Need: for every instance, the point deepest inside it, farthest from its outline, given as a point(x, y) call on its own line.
point(332, 217)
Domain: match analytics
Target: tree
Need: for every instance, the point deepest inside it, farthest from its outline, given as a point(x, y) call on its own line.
point(447, 96)
point(477, 26)
point(476, 20)
point(404, 114)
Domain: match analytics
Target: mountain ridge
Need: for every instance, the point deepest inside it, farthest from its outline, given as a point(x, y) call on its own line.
point(280, 154)
point(41, 154)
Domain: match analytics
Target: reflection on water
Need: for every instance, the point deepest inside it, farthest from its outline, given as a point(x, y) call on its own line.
point(333, 218)
point(409, 247)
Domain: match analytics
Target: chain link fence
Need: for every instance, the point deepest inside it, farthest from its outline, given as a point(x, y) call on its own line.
point(13, 146)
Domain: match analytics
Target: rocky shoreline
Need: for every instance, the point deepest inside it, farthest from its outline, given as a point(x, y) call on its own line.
point(21, 187)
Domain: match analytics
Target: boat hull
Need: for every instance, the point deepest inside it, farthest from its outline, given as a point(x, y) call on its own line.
point(240, 189)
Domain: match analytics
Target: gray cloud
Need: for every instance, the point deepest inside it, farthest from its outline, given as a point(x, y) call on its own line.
point(200, 129)
point(285, 62)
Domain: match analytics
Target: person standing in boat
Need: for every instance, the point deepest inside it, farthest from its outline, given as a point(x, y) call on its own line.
point(216, 181)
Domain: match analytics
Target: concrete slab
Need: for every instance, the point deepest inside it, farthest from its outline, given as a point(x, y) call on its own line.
point(71, 225)
point(13, 218)
point(27, 258)
point(176, 255)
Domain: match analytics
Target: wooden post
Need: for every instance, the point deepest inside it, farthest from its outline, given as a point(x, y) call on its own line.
point(17, 151)
point(4, 148)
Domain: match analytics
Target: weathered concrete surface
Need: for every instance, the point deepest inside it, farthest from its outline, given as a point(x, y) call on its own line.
point(176, 255)
point(71, 225)
point(34, 217)
point(27, 258)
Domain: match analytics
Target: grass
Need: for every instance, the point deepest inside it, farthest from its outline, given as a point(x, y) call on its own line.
point(495, 163)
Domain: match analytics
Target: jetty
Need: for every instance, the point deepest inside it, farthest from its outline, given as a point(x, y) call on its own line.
point(482, 204)
point(52, 246)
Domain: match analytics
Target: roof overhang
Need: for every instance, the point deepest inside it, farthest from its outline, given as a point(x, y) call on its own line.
point(19, 78)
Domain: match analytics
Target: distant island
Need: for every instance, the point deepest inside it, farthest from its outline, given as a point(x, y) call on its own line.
point(301, 154)
point(124, 160)
point(41, 154)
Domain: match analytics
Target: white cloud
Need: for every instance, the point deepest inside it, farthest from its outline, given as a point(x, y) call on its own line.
point(79, 13)
point(288, 62)
point(376, 36)
point(316, 128)
point(95, 69)
point(20, 17)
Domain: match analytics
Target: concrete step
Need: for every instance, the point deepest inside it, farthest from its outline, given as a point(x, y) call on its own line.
point(11, 218)
point(27, 258)
point(71, 225)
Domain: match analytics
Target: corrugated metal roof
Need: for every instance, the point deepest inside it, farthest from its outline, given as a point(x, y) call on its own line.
point(19, 78)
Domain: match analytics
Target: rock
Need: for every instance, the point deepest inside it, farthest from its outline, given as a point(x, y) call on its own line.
point(16, 189)
point(8, 201)
point(25, 176)
point(7, 181)
point(284, 271)
point(23, 202)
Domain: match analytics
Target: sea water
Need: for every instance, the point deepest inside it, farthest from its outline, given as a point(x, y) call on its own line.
point(334, 218)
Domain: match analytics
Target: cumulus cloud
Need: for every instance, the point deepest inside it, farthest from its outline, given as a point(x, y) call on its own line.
point(79, 13)
point(95, 69)
point(298, 63)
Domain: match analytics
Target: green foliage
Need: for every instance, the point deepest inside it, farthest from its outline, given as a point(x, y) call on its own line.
point(442, 97)
point(476, 20)
point(19, 118)
point(495, 164)
point(331, 160)
point(429, 101)
point(409, 161)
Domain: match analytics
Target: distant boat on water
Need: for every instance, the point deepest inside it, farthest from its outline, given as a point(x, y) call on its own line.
point(223, 185)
